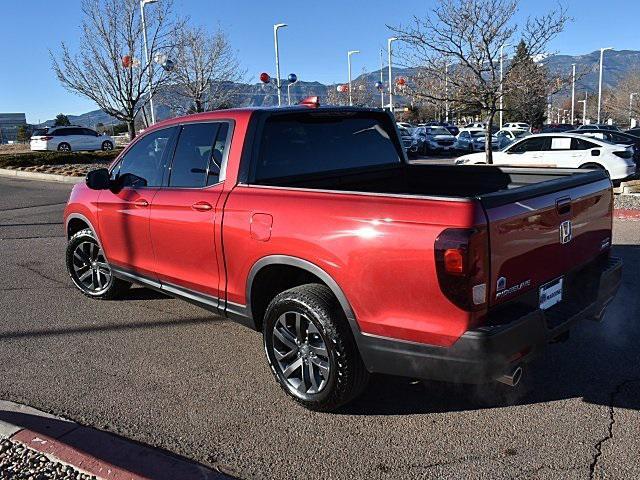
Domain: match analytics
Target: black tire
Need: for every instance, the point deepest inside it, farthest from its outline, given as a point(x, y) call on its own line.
point(326, 326)
point(84, 257)
point(592, 166)
point(107, 146)
point(64, 147)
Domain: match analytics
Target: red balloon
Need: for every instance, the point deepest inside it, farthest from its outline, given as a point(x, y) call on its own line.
point(401, 81)
point(127, 61)
point(264, 77)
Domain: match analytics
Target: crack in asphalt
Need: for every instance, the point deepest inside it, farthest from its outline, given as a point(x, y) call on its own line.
point(32, 238)
point(31, 206)
point(612, 420)
point(28, 224)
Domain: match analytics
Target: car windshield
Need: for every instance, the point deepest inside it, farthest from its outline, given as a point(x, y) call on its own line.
point(524, 133)
point(39, 132)
point(438, 131)
point(404, 132)
point(478, 134)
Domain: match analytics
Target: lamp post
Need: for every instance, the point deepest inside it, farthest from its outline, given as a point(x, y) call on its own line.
point(446, 93)
point(573, 93)
point(381, 81)
point(349, 53)
point(389, 42)
point(146, 56)
point(631, 108)
point(602, 50)
point(501, 79)
point(584, 111)
point(276, 27)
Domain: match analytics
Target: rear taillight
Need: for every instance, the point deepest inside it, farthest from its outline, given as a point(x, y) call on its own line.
point(45, 138)
point(626, 154)
point(462, 265)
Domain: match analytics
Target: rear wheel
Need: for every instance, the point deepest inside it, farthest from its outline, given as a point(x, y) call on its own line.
point(592, 166)
point(311, 349)
point(107, 146)
point(89, 270)
point(64, 147)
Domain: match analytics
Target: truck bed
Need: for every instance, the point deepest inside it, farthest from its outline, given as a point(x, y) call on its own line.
point(493, 185)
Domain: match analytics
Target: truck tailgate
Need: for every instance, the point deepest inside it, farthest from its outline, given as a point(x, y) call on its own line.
point(537, 240)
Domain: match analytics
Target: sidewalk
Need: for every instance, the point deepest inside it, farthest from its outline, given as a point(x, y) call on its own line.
point(44, 446)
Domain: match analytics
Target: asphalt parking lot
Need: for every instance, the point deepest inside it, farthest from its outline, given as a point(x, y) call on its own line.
point(166, 373)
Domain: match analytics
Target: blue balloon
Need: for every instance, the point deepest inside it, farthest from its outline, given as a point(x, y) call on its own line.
point(293, 78)
point(379, 85)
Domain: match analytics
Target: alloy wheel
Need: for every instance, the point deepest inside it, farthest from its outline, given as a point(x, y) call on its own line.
point(90, 269)
point(300, 353)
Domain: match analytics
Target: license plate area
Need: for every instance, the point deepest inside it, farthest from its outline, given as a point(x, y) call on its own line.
point(551, 293)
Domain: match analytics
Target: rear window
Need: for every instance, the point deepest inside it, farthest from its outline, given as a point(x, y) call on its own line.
point(38, 132)
point(309, 144)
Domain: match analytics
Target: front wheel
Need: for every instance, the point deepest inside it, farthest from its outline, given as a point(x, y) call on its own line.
point(311, 349)
point(89, 270)
point(64, 147)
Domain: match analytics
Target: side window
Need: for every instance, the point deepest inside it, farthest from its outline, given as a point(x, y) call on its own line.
point(580, 144)
point(74, 131)
point(561, 143)
point(538, 144)
point(194, 156)
point(215, 164)
point(89, 132)
point(61, 132)
point(143, 165)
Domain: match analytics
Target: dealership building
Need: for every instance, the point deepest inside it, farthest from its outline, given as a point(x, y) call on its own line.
point(9, 124)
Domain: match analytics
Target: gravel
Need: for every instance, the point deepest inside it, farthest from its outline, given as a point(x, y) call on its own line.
point(18, 462)
point(627, 201)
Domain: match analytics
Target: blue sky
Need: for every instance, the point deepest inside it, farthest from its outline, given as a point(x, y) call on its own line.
point(314, 45)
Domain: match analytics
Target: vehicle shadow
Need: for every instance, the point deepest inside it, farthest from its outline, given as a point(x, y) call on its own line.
point(143, 293)
point(595, 364)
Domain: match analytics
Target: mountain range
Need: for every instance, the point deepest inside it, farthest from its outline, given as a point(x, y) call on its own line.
point(618, 64)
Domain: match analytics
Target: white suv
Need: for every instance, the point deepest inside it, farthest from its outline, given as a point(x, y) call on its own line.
point(71, 138)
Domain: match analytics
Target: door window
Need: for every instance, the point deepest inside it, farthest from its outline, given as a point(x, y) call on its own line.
point(537, 144)
point(198, 156)
point(580, 144)
point(143, 165)
point(561, 143)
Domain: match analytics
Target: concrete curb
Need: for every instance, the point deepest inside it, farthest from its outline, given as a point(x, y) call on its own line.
point(93, 451)
point(47, 177)
point(626, 214)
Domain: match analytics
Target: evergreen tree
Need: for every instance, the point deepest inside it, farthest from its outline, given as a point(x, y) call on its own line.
point(61, 120)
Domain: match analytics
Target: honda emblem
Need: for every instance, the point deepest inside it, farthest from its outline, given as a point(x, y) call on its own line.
point(566, 233)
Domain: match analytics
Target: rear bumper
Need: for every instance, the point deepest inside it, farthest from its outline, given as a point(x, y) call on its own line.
point(486, 353)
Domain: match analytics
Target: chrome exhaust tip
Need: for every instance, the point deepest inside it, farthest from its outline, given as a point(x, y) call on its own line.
point(512, 378)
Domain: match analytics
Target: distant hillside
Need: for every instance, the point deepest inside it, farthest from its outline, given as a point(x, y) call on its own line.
point(618, 64)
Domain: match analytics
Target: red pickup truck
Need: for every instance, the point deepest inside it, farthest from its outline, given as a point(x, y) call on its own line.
point(308, 224)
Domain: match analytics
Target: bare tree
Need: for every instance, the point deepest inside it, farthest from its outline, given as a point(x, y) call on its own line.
point(109, 67)
point(206, 71)
point(458, 44)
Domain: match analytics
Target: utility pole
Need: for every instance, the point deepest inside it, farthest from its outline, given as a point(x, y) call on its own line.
point(381, 80)
point(501, 80)
point(146, 56)
point(631, 108)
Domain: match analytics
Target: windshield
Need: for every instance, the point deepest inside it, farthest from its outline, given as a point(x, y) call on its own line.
point(478, 134)
point(521, 134)
point(438, 131)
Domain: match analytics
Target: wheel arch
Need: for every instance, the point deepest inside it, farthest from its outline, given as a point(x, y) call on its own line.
point(76, 222)
point(278, 263)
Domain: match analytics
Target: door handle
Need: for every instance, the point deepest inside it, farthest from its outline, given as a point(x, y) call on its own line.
point(202, 206)
point(141, 203)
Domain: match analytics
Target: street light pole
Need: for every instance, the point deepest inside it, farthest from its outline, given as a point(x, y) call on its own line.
point(349, 53)
point(446, 92)
point(381, 81)
point(584, 111)
point(501, 79)
point(276, 27)
point(389, 41)
point(631, 108)
point(146, 55)
point(573, 94)
point(602, 50)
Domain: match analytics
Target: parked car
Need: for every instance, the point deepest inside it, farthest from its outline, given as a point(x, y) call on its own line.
point(507, 136)
point(557, 128)
point(516, 126)
point(633, 131)
point(70, 139)
point(408, 142)
point(478, 125)
point(474, 140)
point(409, 126)
point(453, 130)
point(462, 283)
point(563, 150)
point(432, 139)
point(599, 126)
point(621, 138)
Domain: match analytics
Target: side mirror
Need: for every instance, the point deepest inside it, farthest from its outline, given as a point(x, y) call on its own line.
point(595, 153)
point(98, 179)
